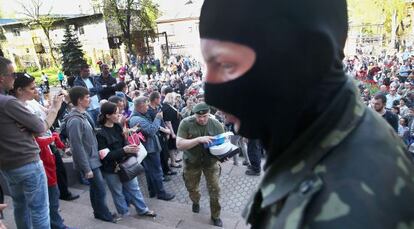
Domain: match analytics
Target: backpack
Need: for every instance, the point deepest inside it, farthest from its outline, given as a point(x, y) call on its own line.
point(64, 136)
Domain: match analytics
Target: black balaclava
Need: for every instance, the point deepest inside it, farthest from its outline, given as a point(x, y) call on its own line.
point(298, 67)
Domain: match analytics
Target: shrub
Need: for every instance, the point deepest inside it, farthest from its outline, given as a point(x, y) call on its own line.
point(50, 72)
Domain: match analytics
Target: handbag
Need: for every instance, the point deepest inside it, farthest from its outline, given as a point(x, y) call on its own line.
point(129, 168)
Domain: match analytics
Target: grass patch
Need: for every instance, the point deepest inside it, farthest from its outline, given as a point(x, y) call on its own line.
point(50, 72)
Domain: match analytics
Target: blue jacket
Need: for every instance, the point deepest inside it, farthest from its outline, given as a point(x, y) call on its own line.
point(93, 91)
point(149, 129)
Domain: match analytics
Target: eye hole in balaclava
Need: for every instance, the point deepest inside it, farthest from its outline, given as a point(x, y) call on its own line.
point(298, 49)
point(226, 61)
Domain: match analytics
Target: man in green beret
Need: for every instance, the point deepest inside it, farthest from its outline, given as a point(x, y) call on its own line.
point(193, 132)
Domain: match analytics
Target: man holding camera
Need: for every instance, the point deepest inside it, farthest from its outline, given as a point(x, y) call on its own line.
point(151, 163)
point(19, 160)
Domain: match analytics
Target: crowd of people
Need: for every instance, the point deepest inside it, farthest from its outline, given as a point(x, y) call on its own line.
point(323, 144)
point(386, 84)
point(92, 118)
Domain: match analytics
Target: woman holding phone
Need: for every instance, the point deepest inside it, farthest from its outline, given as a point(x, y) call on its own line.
point(113, 148)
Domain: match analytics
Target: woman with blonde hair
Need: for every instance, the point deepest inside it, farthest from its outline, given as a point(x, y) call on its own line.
point(172, 120)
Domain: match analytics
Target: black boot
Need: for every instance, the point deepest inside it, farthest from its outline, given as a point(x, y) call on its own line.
point(196, 208)
point(217, 222)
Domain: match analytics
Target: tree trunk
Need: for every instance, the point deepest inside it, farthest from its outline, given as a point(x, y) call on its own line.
point(46, 31)
point(394, 27)
point(129, 45)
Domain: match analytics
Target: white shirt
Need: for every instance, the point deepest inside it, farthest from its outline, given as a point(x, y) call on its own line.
point(36, 108)
point(94, 99)
point(44, 78)
point(391, 99)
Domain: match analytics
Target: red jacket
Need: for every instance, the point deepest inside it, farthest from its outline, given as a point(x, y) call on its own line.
point(47, 156)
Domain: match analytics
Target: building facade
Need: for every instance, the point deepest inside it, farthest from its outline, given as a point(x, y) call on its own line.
point(181, 24)
point(28, 47)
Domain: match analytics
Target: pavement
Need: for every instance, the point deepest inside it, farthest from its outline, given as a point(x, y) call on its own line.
point(236, 189)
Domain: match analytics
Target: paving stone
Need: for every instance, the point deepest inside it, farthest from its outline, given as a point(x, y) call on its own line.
point(236, 190)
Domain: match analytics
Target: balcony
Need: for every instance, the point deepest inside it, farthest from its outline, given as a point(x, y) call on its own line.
point(39, 48)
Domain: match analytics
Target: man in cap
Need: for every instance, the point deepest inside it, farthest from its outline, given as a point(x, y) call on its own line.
point(324, 148)
point(193, 133)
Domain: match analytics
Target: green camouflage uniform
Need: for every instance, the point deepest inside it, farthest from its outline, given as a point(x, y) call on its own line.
point(348, 170)
point(198, 160)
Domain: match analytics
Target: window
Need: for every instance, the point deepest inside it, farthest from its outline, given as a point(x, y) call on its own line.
point(16, 32)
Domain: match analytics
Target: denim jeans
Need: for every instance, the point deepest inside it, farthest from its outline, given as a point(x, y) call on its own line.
point(153, 174)
point(164, 154)
point(28, 188)
point(97, 196)
point(254, 148)
point(239, 141)
point(130, 188)
point(56, 220)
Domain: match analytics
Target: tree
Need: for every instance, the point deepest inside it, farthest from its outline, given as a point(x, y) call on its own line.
point(72, 54)
point(390, 13)
point(394, 11)
point(130, 14)
point(31, 9)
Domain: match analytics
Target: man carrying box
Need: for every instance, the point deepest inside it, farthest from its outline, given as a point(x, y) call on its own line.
point(193, 132)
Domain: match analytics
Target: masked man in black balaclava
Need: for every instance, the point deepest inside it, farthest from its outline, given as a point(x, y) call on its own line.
point(331, 163)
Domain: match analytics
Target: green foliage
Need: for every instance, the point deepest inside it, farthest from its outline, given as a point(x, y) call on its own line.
point(72, 54)
point(43, 22)
point(376, 12)
point(32, 9)
point(50, 72)
point(137, 14)
point(32, 69)
point(149, 13)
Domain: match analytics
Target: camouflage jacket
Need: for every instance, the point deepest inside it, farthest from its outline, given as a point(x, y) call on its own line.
point(348, 170)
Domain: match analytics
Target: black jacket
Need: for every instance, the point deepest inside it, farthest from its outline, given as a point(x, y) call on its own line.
point(114, 140)
point(392, 119)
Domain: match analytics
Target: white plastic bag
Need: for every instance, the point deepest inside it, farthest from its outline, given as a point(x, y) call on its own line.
point(142, 153)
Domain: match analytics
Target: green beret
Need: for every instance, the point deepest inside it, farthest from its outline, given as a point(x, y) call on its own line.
point(201, 108)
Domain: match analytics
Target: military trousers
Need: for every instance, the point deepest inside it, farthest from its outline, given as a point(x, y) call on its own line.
point(192, 176)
